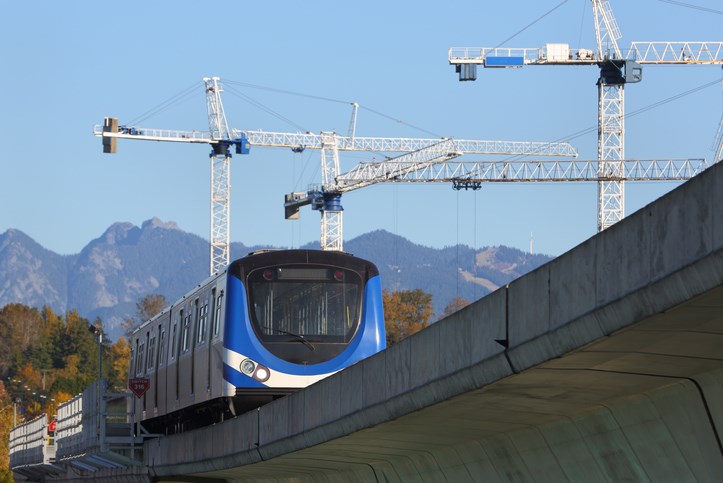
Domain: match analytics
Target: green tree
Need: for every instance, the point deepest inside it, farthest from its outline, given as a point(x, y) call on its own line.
point(406, 312)
point(19, 327)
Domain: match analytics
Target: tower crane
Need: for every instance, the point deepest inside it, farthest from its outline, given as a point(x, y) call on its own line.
point(223, 140)
point(617, 68)
point(434, 164)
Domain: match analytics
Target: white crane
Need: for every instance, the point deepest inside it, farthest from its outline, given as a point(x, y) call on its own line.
point(434, 164)
point(616, 69)
point(223, 140)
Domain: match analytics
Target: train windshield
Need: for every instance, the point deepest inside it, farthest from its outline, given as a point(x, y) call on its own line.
point(303, 306)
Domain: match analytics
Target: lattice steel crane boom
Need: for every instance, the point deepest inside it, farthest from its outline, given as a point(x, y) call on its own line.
point(434, 164)
point(617, 68)
point(222, 140)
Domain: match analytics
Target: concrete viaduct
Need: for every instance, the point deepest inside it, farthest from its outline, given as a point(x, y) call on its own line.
point(605, 364)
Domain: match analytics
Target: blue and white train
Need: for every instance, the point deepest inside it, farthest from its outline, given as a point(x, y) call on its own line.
point(271, 323)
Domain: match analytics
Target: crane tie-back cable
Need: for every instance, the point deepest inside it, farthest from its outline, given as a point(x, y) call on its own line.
point(695, 7)
point(331, 99)
point(175, 99)
point(531, 24)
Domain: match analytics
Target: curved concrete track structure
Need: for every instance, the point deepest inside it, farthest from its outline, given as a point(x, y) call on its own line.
point(613, 371)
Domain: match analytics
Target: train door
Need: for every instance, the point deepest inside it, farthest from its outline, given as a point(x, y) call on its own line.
point(215, 353)
point(161, 371)
point(158, 381)
point(149, 398)
point(185, 358)
point(172, 369)
point(201, 381)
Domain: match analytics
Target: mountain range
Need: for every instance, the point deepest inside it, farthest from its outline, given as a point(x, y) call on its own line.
point(126, 263)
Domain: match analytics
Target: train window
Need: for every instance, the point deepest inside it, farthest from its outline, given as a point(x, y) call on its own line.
point(151, 353)
point(217, 315)
point(134, 360)
point(139, 358)
point(184, 333)
point(202, 324)
point(319, 303)
point(162, 347)
point(173, 339)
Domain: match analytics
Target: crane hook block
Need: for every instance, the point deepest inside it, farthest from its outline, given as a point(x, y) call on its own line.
point(110, 145)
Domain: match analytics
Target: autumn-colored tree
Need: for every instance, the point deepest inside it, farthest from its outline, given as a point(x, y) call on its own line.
point(458, 303)
point(6, 424)
point(120, 357)
point(406, 312)
point(150, 305)
point(147, 307)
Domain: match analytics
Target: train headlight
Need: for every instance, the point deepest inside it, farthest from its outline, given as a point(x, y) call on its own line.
point(262, 373)
point(247, 366)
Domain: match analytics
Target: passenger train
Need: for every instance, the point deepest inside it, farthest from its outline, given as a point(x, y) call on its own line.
point(271, 323)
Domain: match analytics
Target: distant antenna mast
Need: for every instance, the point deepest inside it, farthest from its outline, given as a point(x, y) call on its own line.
point(531, 243)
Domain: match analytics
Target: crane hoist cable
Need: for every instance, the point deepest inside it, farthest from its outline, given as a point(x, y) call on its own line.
point(593, 129)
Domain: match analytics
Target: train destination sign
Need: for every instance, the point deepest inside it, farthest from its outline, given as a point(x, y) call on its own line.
point(139, 385)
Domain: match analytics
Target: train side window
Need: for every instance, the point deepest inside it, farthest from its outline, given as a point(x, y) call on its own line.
point(151, 353)
point(173, 339)
point(184, 332)
point(139, 358)
point(134, 360)
point(161, 347)
point(202, 324)
point(217, 315)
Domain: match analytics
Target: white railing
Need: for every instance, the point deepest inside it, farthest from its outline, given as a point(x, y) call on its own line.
point(77, 430)
point(476, 55)
point(30, 444)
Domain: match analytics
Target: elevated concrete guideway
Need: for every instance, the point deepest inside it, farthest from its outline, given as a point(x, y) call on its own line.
point(613, 371)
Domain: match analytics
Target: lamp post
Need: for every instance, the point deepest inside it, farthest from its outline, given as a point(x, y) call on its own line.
point(97, 330)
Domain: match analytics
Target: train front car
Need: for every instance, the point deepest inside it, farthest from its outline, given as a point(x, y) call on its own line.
point(294, 317)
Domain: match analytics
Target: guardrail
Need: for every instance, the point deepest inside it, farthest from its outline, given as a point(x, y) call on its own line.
point(32, 449)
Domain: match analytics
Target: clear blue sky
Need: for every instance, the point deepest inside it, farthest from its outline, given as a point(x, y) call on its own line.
point(66, 65)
